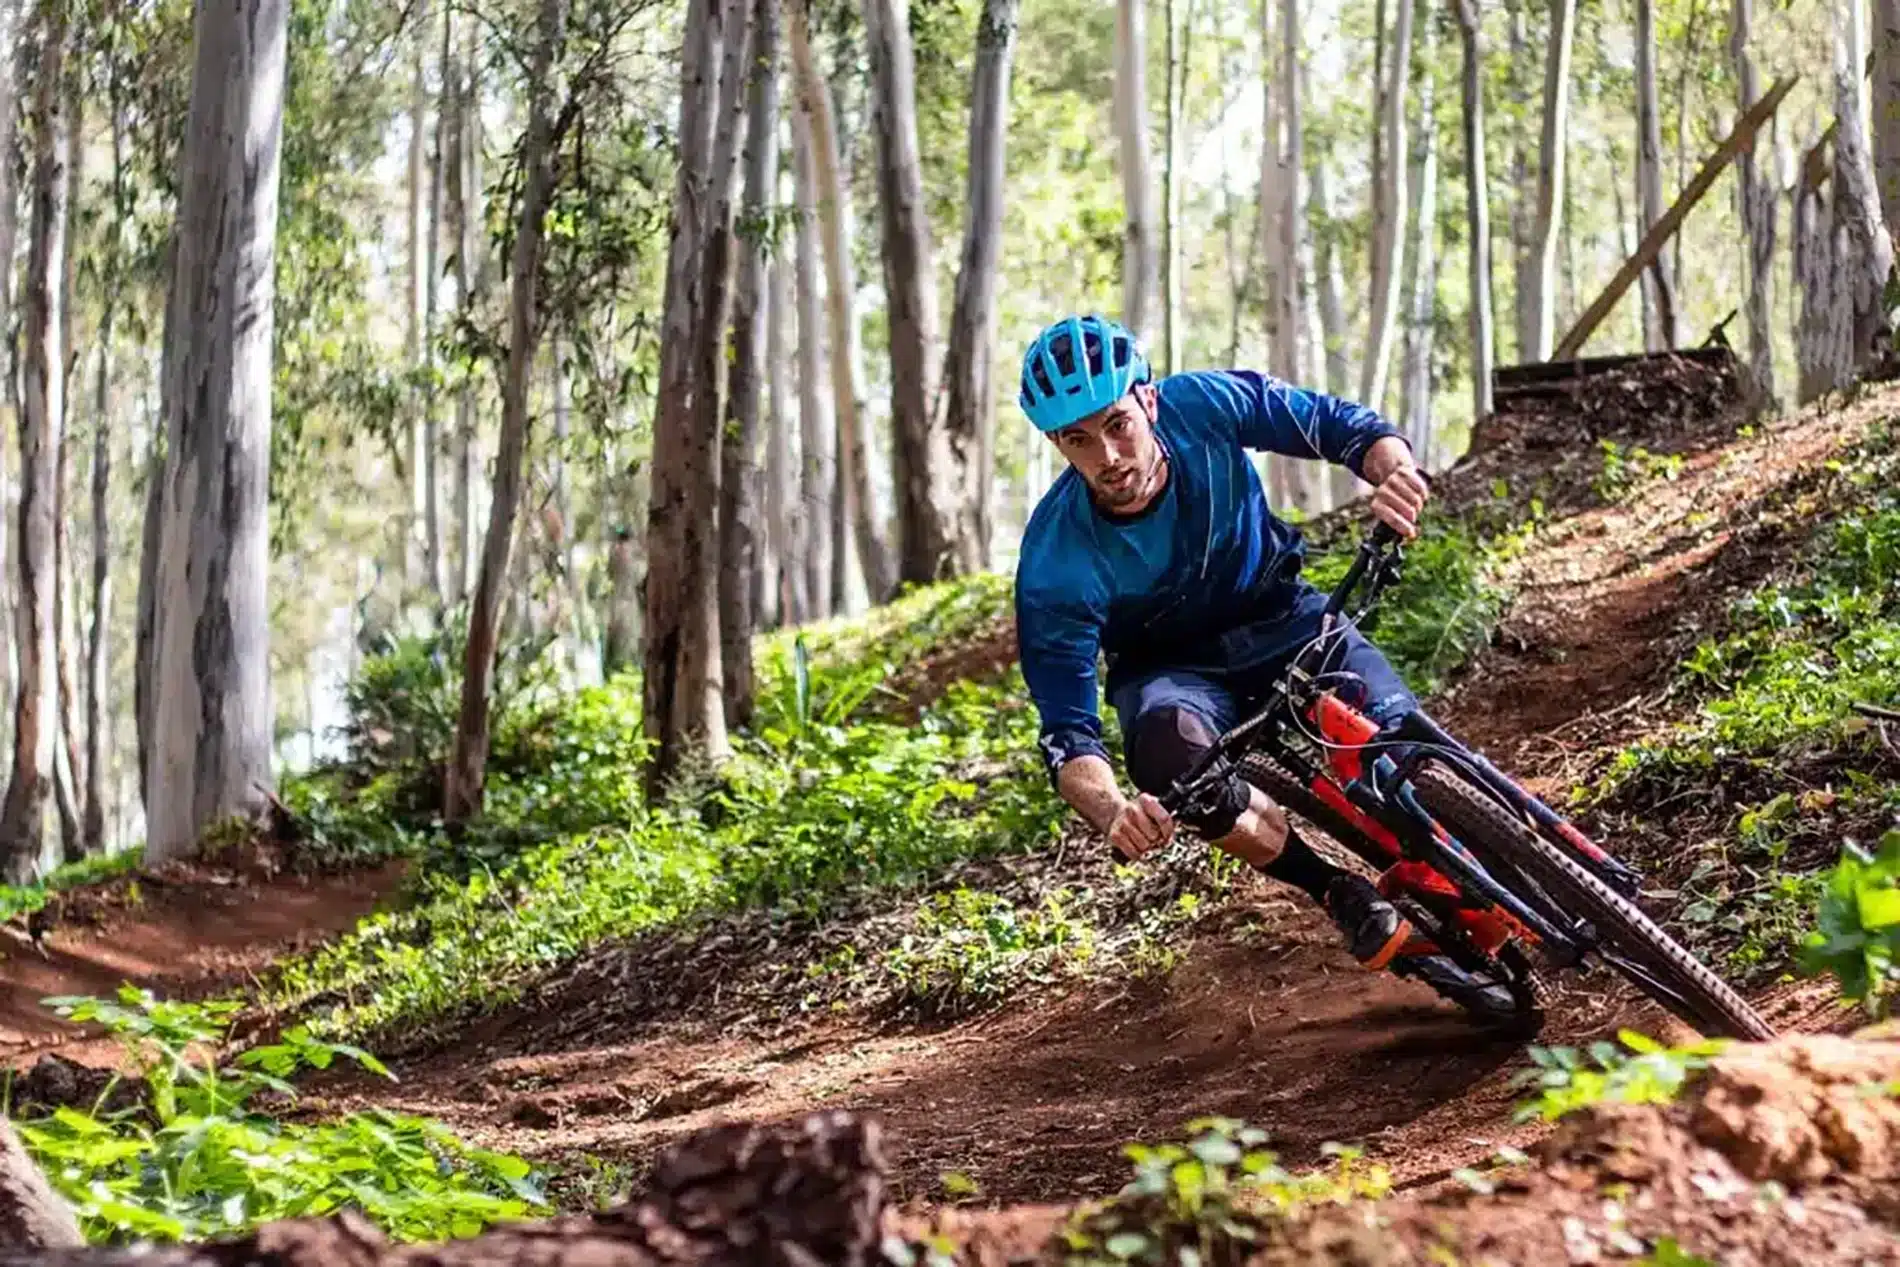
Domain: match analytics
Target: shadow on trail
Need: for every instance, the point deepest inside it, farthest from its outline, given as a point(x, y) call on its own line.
point(1037, 1105)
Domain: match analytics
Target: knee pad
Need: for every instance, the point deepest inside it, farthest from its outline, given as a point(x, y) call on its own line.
point(1163, 744)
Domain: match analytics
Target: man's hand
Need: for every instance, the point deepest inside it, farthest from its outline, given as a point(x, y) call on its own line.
point(1140, 827)
point(1399, 488)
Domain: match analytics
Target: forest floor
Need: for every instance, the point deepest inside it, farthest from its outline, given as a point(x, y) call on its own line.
point(1262, 1017)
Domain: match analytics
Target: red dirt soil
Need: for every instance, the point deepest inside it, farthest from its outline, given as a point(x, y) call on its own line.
point(1276, 1026)
point(184, 930)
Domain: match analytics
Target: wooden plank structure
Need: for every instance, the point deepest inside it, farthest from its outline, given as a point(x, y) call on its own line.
point(1513, 385)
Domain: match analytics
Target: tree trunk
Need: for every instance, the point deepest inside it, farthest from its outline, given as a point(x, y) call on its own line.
point(926, 516)
point(68, 764)
point(1477, 211)
point(468, 764)
point(1131, 130)
point(683, 713)
point(42, 416)
point(415, 337)
point(970, 414)
point(739, 536)
point(1760, 207)
point(1330, 285)
point(1171, 197)
point(623, 605)
point(1523, 197)
point(1886, 100)
point(32, 1215)
point(1866, 251)
point(855, 503)
point(93, 828)
point(1290, 297)
point(470, 276)
point(1660, 327)
point(1819, 342)
point(1690, 61)
point(786, 533)
point(12, 50)
point(1547, 235)
point(1422, 270)
point(817, 432)
point(1389, 222)
point(212, 724)
point(431, 303)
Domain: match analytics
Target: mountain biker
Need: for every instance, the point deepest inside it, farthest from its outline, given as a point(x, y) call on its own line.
point(1157, 549)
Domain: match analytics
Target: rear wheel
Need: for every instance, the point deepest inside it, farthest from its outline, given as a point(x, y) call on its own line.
point(1631, 939)
point(1290, 794)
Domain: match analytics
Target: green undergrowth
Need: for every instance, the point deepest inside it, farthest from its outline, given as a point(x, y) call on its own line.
point(191, 1147)
point(1638, 1071)
point(1209, 1196)
point(1774, 773)
point(819, 797)
point(826, 794)
point(21, 899)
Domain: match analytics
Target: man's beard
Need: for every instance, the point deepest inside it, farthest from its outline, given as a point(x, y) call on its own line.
point(1131, 489)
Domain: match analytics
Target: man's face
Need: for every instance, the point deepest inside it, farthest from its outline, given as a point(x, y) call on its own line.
point(1116, 452)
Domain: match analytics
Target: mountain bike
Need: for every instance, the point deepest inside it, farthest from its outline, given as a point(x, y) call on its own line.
point(1487, 873)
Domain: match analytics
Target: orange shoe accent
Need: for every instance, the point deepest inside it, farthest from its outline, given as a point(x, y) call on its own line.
point(1389, 951)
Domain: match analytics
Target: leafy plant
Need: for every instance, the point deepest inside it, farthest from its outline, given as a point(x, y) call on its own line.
point(970, 948)
point(1646, 1073)
point(197, 1155)
point(1858, 938)
point(1625, 471)
point(1191, 1203)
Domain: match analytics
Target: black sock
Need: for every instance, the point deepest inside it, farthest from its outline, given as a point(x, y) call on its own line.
point(1300, 867)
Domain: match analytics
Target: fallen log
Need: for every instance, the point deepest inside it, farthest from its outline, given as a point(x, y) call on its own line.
point(797, 1194)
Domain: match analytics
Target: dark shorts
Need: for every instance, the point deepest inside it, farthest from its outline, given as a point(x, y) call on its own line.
point(1171, 714)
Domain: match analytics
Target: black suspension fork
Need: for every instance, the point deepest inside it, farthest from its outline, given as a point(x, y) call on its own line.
point(1416, 726)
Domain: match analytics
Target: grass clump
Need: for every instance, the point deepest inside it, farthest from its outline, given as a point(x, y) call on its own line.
point(1206, 1199)
point(821, 796)
point(196, 1155)
point(970, 949)
point(23, 899)
point(1641, 1071)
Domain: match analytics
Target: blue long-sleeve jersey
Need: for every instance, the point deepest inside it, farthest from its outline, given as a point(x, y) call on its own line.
point(1206, 557)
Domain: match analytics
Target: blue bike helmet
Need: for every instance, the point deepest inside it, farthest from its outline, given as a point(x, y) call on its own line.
point(1061, 388)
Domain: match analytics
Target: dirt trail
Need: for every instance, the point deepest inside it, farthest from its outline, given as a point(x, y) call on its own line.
point(1276, 1026)
point(1282, 1029)
point(182, 930)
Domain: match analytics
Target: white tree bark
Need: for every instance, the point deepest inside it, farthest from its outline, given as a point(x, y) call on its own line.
point(416, 284)
point(1327, 280)
point(1139, 262)
point(1422, 272)
point(1523, 196)
point(464, 779)
point(432, 565)
point(1547, 234)
point(471, 276)
point(786, 534)
point(1389, 224)
point(1760, 207)
point(212, 724)
point(1477, 210)
point(1886, 99)
point(739, 537)
point(855, 499)
point(1864, 251)
point(921, 454)
point(817, 427)
point(969, 397)
point(1171, 195)
point(1289, 355)
point(11, 21)
point(683, 713)
point(1661, 328)
point(42, 418)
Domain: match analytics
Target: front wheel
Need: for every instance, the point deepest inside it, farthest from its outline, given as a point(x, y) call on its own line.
point(1633, 943)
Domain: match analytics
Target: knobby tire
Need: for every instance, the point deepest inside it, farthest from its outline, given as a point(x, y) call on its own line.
point(1471, 813)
